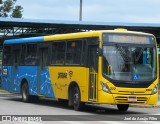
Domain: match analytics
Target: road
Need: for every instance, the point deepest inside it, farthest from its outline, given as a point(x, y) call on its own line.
point(55, 111)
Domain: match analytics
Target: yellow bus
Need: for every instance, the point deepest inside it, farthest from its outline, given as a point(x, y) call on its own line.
point(101, 67)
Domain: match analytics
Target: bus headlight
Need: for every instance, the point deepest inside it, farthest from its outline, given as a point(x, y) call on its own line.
point(105, 88)
point(155, 89)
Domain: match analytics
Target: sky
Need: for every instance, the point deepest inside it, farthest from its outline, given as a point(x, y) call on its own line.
point(140, 11)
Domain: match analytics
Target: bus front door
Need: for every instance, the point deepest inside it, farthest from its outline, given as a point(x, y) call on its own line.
point(93, 69)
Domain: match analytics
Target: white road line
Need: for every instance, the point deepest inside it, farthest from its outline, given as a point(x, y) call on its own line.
point(112, 122)
point(32, 122)
point(72, 122)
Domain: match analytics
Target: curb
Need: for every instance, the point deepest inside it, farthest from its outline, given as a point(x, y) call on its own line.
point(145, 106)
point(3, 91)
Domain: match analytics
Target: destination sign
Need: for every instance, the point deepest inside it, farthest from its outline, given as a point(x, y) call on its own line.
point(125, 38)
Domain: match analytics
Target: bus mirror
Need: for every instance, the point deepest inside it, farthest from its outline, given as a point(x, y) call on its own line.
point(100, 52)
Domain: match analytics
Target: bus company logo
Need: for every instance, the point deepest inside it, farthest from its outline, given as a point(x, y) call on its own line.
point(62, 75)
point(70, 74)
point(65, 74)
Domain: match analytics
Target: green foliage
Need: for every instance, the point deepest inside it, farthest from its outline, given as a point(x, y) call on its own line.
point(9, 9)
point(17, 12)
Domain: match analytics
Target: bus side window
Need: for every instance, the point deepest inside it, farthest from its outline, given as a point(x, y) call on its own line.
point(58, 53)
point(7, 56)
point(23, 51)
point(31, 55)
point(73, 53)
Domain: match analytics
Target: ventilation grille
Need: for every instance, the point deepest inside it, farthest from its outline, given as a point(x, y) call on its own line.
point(130, 92)
point(123, 99)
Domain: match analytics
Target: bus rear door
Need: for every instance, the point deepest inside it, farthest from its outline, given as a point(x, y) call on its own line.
point(15, 69)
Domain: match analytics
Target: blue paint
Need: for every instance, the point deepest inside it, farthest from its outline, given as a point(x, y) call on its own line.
point(45, 83)
point(24, 40)
point(12, 82)
point(7, 83)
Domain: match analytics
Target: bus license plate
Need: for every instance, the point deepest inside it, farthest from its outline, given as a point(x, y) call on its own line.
point(132, 99)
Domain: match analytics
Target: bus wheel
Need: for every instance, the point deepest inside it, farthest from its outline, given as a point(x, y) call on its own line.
point(25, 92)
point(77, 104)
point(122, 107)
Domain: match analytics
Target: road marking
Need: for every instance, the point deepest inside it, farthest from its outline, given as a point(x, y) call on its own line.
point(72, 122)
point(111, 122)
point(31, 122)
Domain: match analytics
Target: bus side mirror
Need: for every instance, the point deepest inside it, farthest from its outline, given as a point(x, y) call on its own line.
point(100, 52)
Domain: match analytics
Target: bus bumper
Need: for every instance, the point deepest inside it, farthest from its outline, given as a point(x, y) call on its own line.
point(106, 98)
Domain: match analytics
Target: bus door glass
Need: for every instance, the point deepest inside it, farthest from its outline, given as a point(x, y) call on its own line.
point(16, 63)
point(43, 71)
point(93, 69)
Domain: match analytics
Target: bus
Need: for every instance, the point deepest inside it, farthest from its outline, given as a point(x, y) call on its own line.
point(117, 67)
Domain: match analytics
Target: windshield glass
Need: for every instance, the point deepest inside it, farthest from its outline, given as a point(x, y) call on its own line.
point(128, 63)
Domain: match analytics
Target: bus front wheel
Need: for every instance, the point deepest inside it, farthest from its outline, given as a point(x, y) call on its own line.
point(25, 92)
point(122, 107)
point(77, 104)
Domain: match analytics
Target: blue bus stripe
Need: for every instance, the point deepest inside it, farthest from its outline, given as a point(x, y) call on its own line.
point(25, 40)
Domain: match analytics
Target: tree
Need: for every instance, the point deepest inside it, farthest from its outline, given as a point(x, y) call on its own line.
point(9, 9)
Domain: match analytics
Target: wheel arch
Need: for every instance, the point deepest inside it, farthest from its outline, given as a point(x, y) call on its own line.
point(24, 80)
point(71, 87)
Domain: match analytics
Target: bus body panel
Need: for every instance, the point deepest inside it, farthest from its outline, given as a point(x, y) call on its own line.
point(7, 83)
point(62, 77)
point(32, 75)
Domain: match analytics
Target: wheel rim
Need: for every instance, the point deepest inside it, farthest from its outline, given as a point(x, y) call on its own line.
point(24, 93)
point(76, 99)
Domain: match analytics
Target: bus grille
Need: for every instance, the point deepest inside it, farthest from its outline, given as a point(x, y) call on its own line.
point(129, 92)
point(123, 99)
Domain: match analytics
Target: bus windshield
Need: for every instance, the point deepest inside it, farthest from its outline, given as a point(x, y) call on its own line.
point(129, 62)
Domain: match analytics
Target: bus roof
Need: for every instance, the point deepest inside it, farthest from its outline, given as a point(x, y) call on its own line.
point(69, 36)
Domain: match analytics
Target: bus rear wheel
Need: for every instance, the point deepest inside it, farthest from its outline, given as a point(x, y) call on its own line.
point(122, 107)
point(77, 104)
point(25, 92)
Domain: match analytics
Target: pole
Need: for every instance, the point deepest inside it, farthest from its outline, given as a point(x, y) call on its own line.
point(80, 11)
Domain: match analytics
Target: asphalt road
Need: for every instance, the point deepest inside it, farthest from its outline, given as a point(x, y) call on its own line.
point(48, 110)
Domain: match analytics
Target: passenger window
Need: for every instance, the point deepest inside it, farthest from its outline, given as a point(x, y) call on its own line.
point(23, 51)
point(58, 53)
point(31, 56)
point(7, 55)
point(73, 53)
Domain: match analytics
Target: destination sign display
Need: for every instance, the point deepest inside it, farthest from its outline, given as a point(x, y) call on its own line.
point(126, 38)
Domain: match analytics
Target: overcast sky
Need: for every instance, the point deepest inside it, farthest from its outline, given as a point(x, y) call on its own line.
point(146, 11)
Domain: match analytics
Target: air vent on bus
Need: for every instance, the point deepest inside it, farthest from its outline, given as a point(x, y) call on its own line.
point(123, 99)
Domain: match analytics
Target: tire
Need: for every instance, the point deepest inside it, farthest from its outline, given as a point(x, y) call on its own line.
point(77, 104)
point(122, 107)
point(25, 93)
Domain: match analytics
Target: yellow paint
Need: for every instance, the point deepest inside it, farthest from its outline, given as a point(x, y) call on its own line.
point(81, 75)
point(61, 85)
